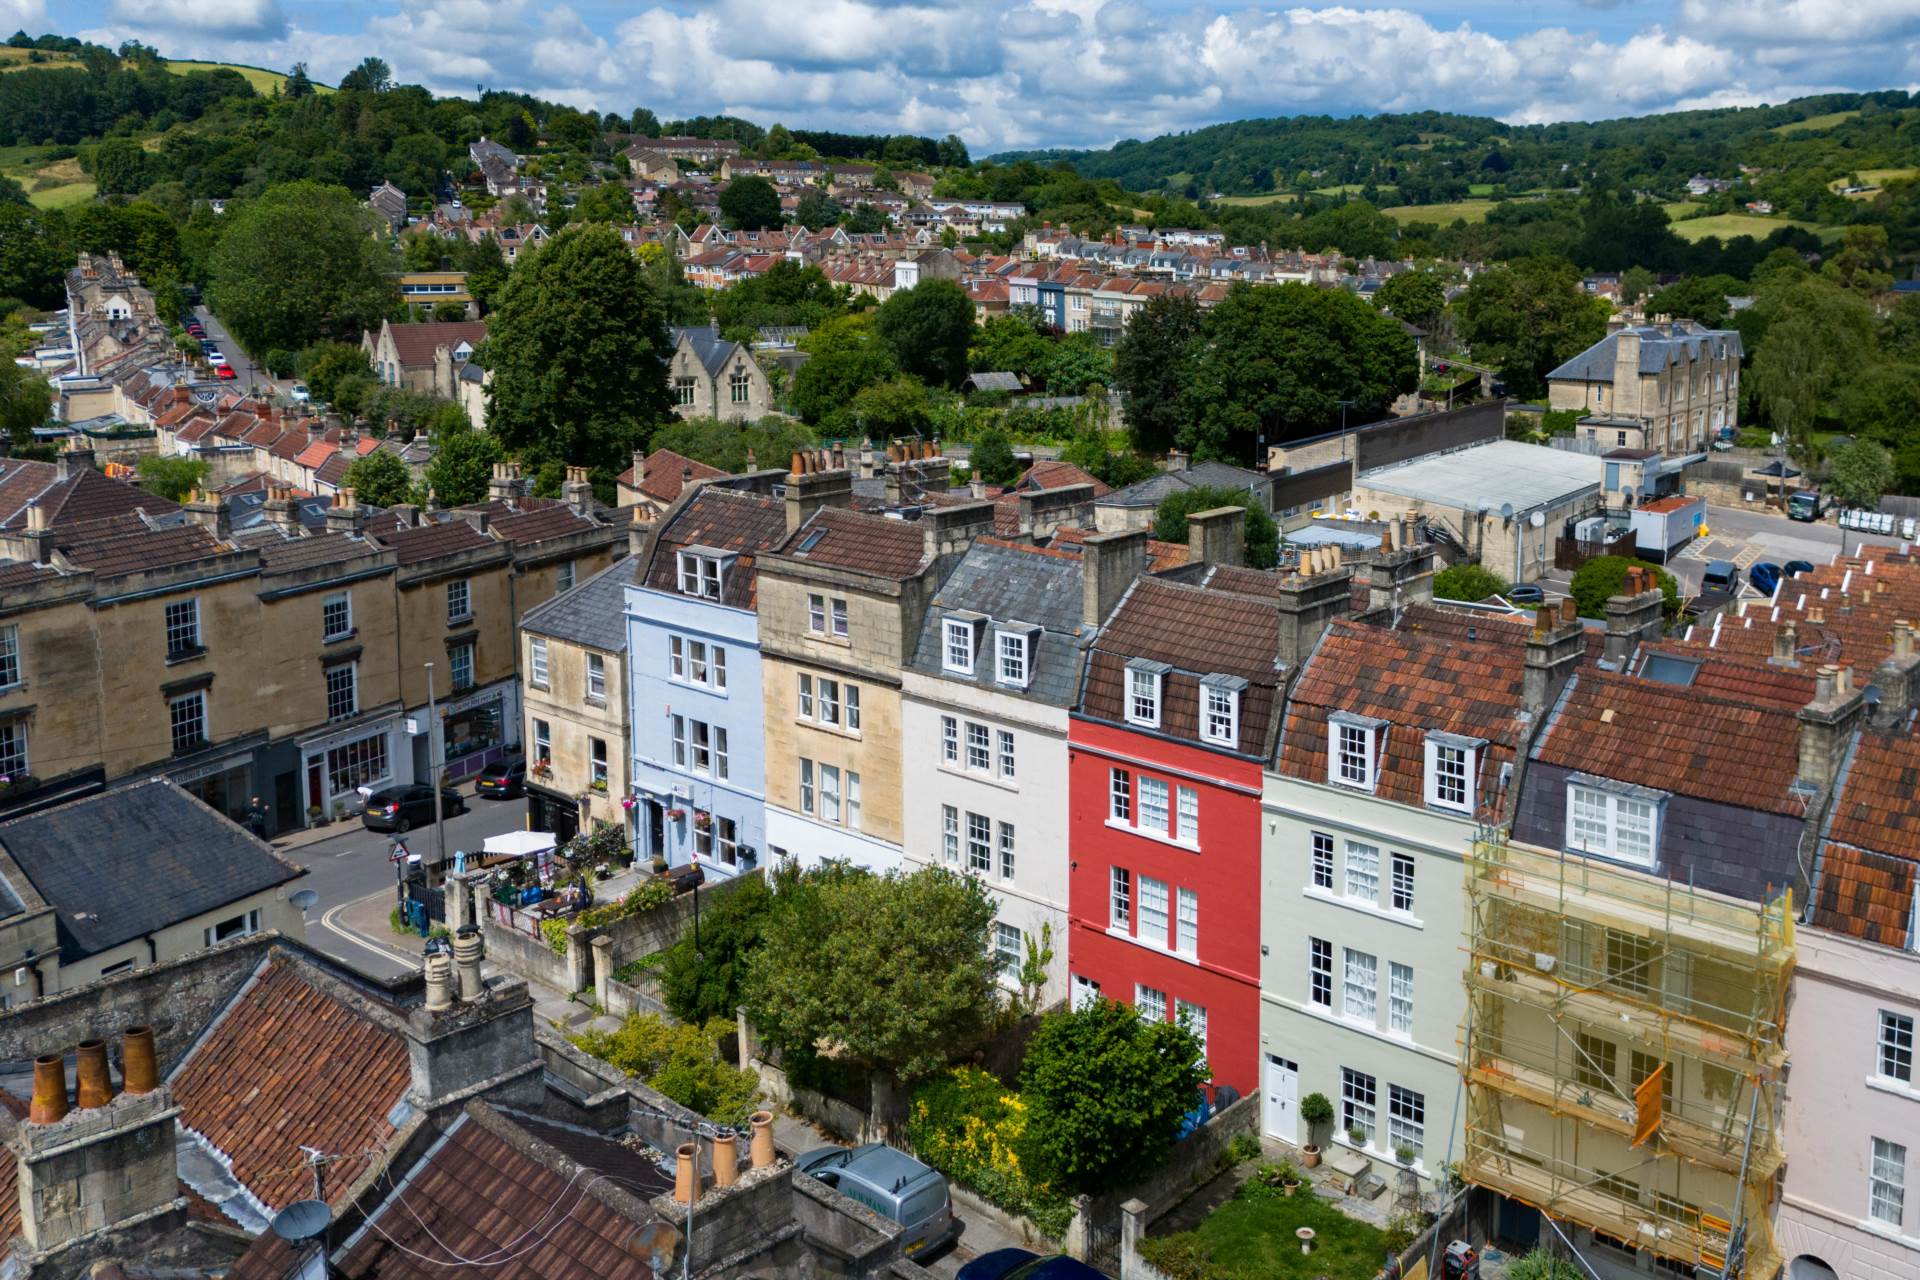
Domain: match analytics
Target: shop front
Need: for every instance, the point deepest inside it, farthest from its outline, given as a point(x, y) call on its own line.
point(477, 729)
point(222, 779)
point(548, 810)
point(336, 767)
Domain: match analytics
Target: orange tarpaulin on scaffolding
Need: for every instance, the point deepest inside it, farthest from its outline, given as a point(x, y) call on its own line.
point(1649, 1105)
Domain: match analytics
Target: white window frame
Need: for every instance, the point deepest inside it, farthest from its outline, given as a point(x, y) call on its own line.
point(1363, 871)
point(979, 747)
point(596, 678)
point(1320, 973)
point(542, 741)
point(817, 614)
point(806, 786)
point(1005, 849)
point(239, 926)
point(1120, 899)
point(343, 692)
point(1219, 714)
point(1359, 1097)
point(1887, 1182)
point(198, 699)
point(1400, 882)
point(1624, 828)
point(1009, 946)
point(839, 612)
point(1406, 1120)
point(979, 843)
point(1004, 755)
point(956, 648)
point(459, 600)
point(1143, 697)
point(1150, 1002)
point(1120, 796)
point(1352, 759)
point(459, 660)
point(1321, 861)
point(1013, 665)
point(539, 668)
point(1450, 774)
point(1154, 807)
point(699, 576)
point(1359, 986)
point(950, 834)
point(1194, 1018)
point(564, 577)
point(13, 747)
point(678, 729)
point(803, 698)
point(1155, 907)
point(950, 740)
point(182, 618)
point(597, 769)
point(1894, 1048)
point(338, 606)
point(1399, 998)
point(1187, 922)
point(1186, 815)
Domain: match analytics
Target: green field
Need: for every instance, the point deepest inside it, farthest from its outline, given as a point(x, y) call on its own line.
point(12, 59)
point(1729, 225)
point(1875, 178)
point(1441, 214)
point(1813, 124)
point(262, 80)
point(49, 183)
point(1479, 188)
point(1277, 197)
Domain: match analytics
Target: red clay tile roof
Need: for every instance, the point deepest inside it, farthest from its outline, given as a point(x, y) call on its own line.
point(1054, 474)
point(1740, 677)
point(423, 542)
point(316, 453)
point(1418, 683)
point(879, 545)
point(86, 495)
point(19, 573)
point(288, 1066)
point(416, 343)
point(290, 445)
point(667, 473)
point(479, 1196)
point(1161, 556)
point(726, 520)
point(1863, 882)
point(334, 470)
point(1676, 739)
point(1196, 632)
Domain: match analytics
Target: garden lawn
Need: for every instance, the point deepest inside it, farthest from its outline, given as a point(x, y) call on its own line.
point(1729, 225)
point(1250, 1237)
point(1277, 197)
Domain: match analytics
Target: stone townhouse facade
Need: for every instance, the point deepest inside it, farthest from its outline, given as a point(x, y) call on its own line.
point(713, 378)
point(1679, 379)
point(573, 661)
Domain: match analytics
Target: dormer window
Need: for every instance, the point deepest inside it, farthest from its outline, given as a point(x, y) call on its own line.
point(1452, 765)
point(1613, 819)
point(1353, 750)
point(1016, 657)
point(957, 650)
point(699, 575)
point(1144, 681)
point(1220, 710)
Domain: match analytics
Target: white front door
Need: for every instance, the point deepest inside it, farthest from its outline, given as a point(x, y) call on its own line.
point(1085, 991)
point(1281, 1110)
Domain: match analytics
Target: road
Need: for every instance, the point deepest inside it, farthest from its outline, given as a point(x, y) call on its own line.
point(248, 375)
point(353, 866)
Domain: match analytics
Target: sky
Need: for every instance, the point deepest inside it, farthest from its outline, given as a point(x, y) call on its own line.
point(1036, 73)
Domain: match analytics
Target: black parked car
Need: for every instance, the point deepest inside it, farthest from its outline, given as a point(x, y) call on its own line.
point(404, 808)
point(503, 781)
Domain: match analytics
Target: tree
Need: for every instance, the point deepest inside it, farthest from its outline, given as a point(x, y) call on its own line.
point(380, 479)
point(1275, 362)
point(119, 166)
point(1076, 365)
point(1262, 535)
point(711, 982)
point(787, 293)
point(1417, 297)
point(1149, 368)
point(894, 972)
point(992, 460)
point(299, 263)
point(1604, 577)
point(1702, 298)
point(1115, 468)
point(1814, 337)
point(1858, 474)
point(750, 204)
point(171, 476)
point(449, 311)
point(25, 400)
point(771, 441)
point(1526, 318)
point(298, 84)
point(34, 255)
point(1012, 343)
point(1636, 283)
point(846, 357)
point(1467, 582)
point(896, 407)
point(928, 329)
point(607, 202)
point(324, 364)
point(462, 464)
point(1106, 1090)
point(372, 76)
point(815, 210)
point(578, 349)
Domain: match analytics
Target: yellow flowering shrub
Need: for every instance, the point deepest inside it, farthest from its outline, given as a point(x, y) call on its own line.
point(971, 1127)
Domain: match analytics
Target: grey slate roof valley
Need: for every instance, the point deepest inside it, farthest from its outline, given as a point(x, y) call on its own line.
point(1149, 492)
point(1010, 584)
point(1660, 345)
point(592, 614)
point(122, 864)
point(709, 348)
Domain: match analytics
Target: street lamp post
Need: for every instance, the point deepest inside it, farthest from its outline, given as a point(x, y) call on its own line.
point(433, 776)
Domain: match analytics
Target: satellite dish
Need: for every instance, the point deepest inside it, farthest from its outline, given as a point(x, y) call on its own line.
point(656, 1242)
point(301, 1221)
point(303, 899)
point(1506, 511)
point(1538, 520)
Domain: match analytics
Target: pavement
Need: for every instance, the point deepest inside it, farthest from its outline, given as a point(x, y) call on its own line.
point(249, 376)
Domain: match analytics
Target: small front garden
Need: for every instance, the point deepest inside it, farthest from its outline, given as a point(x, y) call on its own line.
point(680, 1061)
point(974, 1129)
point(1253, 1237)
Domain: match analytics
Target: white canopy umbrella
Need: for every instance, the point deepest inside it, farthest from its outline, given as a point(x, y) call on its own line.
point(520, 844)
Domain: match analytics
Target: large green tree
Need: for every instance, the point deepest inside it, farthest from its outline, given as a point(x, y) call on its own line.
point(1859, 473)
point(25, 400)
point(750, 204)
point(462, 464)
point(300, 263)
point(928, 329)
point(380, 479)
point(1149, 368)
point(1262, 535)
point(1525, 318)
point(607, 202)
point(34, 255)
point(787, 293)
point(1105, 1091)
point(1815, 338)
point(1417, 296)
point(171, 476)
point(1274, 362)
point(770, 441)
point(323, 365)
point(895, 972)
point(845, 357)
point(578, 349)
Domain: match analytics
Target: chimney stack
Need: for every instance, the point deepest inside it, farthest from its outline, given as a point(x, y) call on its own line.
point(39, 532)
point(1636, 614)
point(1897, 678)
point(1786, 644)
point(638, 531)
point(761, 1150)
point(1403, 567)
point(1109, 563)
point(1554, 651)
point(468, 951)
point(1217, 537)
point(344, 514)
point(639, 467)
point(809, 487)
point(686, 1172)
point(93, 1083)
point(438, 971)
point(76, 458)
point(49, 1089)
point(1826, 725)
point(139, 1071)
point(505, 482)
point(577, 492)
point(1309, 599)
point(209, 512)
point(726, 1158)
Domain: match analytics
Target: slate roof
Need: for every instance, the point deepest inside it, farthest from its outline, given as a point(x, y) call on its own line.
point(425, 541)
point(1012, 583)
point(127, 544)
point(667, 473)
point(85, 495)
point(1863, 880)
point(125, 863)
point(863, 543)
point(1149, 492)
point(478, 1195)
point(1196, 632)
point(416, 343)
point(289, 1064)
point(747, 524)
point(20, 573)
point(290, 554)
point(708, 347)
point(1161, 556)
point(1418, 683)
point(1661, 345)
point(593, 613)
point(531, 520)
point(1675, 739)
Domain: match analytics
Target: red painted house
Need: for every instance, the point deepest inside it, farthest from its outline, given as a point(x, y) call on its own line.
point(1178, 710)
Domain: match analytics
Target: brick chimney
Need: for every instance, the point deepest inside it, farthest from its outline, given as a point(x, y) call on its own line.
point(1637, 613)
point(1044, 510)
point(1897, 677)
point(480, 1043)
point(1786, 645)
point(1319, 591)
point(639, 467)
point(1403, 567)
point(280, 509)
point(1826, 724)
point(1217, 537)
point(345, 514)
point(948, 531)
point(39, 533)
point(578, 491)
point(1109, 563)
point(1554, 651)
point(638, 531)
point(210, 512)
point(75, 458)
point(812, 485)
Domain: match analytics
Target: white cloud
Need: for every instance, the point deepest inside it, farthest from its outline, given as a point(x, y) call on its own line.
point(1021, 73)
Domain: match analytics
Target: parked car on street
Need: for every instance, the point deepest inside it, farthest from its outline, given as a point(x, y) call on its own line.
point(1721, 577)
point(224, 371)
point(504, 781)
point(1764, 576)
point(892, 1184)
point(1024, 1264)
point(299, 392)
point(1526, 593)
point(1795, 568)
point(402, 809)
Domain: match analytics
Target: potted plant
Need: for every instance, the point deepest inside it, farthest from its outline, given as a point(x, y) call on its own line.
point(1356, 1135)
point(600, 785)
point(315, 815)
point(1289, 1177)
point(1405, 1154)
point(1316, 1110)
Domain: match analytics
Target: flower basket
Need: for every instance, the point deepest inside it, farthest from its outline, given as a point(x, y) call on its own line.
point(676, 815)
point(599, 785)
point(543, 769)
point(627, 802)
point(702, 819)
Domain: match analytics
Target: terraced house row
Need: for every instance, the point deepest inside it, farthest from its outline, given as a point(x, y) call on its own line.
point(1614, 923)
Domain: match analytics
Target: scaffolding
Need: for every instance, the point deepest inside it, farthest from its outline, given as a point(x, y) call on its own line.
point(1623, 1051)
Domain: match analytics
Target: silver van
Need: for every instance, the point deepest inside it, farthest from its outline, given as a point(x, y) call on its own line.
point(892, 1184)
